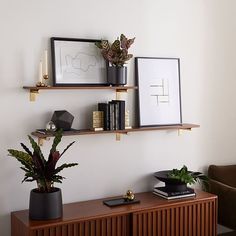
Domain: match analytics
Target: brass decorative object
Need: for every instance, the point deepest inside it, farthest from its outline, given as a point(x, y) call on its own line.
point(127, 120)
point(97, 120)
point(45, 77)
point(129, 195)
point(41, 84)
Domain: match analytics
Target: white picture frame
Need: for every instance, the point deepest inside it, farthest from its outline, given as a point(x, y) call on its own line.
point(159, 91)
point(77, 62)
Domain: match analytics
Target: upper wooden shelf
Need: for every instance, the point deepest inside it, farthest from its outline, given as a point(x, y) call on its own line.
point(34, 90)
point(42, 136)
point(79, 87)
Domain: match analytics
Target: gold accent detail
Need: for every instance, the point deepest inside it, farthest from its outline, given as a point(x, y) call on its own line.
point(41, 140)
point(40, 84)
point(180, 132)
point(118, 136)
point(33, 93)
point(45, 77)
point(118, 95)
point(129, 196)
point(98, 119)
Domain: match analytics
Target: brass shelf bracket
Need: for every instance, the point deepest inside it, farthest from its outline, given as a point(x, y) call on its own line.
point(181, 131)
point(33, 94)
point(118, 136)
point(41, 140)
point(118, 93)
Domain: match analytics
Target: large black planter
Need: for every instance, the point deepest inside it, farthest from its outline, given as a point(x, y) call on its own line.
point(171, 184)
point(117, 75)
point(45, 206)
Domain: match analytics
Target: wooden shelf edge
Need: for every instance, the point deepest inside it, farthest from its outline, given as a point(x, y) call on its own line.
point(135, 129)
point(121, 88)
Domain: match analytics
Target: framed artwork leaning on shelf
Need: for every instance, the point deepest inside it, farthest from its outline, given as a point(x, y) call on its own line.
point(159, 91)
point(77, 62)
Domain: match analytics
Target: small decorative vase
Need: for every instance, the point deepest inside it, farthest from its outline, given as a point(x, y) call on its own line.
point(45, 206)
point(117, 75)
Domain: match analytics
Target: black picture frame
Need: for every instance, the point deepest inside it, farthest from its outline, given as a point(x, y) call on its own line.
point(159, 91)
point(77, 62)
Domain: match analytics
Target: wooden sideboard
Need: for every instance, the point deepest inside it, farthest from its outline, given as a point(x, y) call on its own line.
point(153, 216)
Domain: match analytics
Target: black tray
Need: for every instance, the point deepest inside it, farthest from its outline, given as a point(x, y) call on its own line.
point(119, 202)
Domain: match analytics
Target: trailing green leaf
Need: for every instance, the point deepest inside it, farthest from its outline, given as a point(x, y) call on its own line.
point(188, 177)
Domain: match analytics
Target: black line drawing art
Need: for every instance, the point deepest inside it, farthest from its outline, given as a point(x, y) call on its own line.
point(77, 62)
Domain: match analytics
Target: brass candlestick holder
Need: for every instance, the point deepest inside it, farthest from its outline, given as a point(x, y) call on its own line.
point(45, 77)
point(41, 84)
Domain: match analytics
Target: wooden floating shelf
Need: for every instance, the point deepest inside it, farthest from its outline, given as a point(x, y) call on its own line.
point(43, 136)
point(122, 88)
point(34, 90)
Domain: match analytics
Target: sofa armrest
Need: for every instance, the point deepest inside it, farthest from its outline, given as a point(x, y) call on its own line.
point(223, 174)
point(226, 202)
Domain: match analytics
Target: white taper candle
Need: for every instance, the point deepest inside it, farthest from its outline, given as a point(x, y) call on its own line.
point(46, 62)
point(40, 71)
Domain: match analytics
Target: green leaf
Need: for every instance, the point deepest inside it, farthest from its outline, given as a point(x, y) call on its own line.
point(67, 148)
point(116, 46)
point(105, 45)
point(60, 168)
point(23, 157)
point(98, 44)
point(37, 149)
point(26, 149)
point(56, 140)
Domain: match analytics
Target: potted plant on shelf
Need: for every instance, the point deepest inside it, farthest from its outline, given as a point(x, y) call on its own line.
point(178, 179)
point(116, 54)
point(45, 200)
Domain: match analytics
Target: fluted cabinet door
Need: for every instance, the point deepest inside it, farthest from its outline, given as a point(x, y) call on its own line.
point(109, 226)
point(198, 219)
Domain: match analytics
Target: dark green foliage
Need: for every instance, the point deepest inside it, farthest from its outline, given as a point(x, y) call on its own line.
point(37, 168)
point(189, 177)
point(117, 52)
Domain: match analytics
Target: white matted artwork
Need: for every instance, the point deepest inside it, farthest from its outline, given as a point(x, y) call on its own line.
point(77, 62)
point(159, 91)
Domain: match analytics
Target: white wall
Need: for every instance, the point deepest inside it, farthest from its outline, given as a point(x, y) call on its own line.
point(200, 32)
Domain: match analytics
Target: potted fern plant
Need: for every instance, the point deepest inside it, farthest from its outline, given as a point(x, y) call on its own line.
point(178, 179)
point(45, 200)
point(116, 54)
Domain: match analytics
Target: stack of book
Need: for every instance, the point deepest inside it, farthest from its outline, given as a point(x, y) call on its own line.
point(113, 114)
point(163, 192)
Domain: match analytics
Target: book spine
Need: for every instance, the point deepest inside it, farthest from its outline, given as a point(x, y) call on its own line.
point(111, 116)
point(121, 114)
point(189, 191)
point(116, 116)
point(104, 107)
point(175, 197)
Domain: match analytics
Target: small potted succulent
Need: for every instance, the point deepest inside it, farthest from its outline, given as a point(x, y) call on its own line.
point(45, 200)
point(116, 54)
point(178, 179)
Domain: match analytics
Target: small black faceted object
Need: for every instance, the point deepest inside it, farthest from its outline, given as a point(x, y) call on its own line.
point(62, 119)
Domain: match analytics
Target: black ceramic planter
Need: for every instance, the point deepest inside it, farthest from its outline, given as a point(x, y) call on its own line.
point(173, 185)
point(117, 75)
point(45, 206)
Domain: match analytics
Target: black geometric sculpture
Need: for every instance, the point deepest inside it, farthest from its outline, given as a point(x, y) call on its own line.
point(62, 119)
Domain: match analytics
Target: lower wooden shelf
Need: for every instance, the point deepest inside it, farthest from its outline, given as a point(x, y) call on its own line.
point(45, 135)
point(153, 216)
